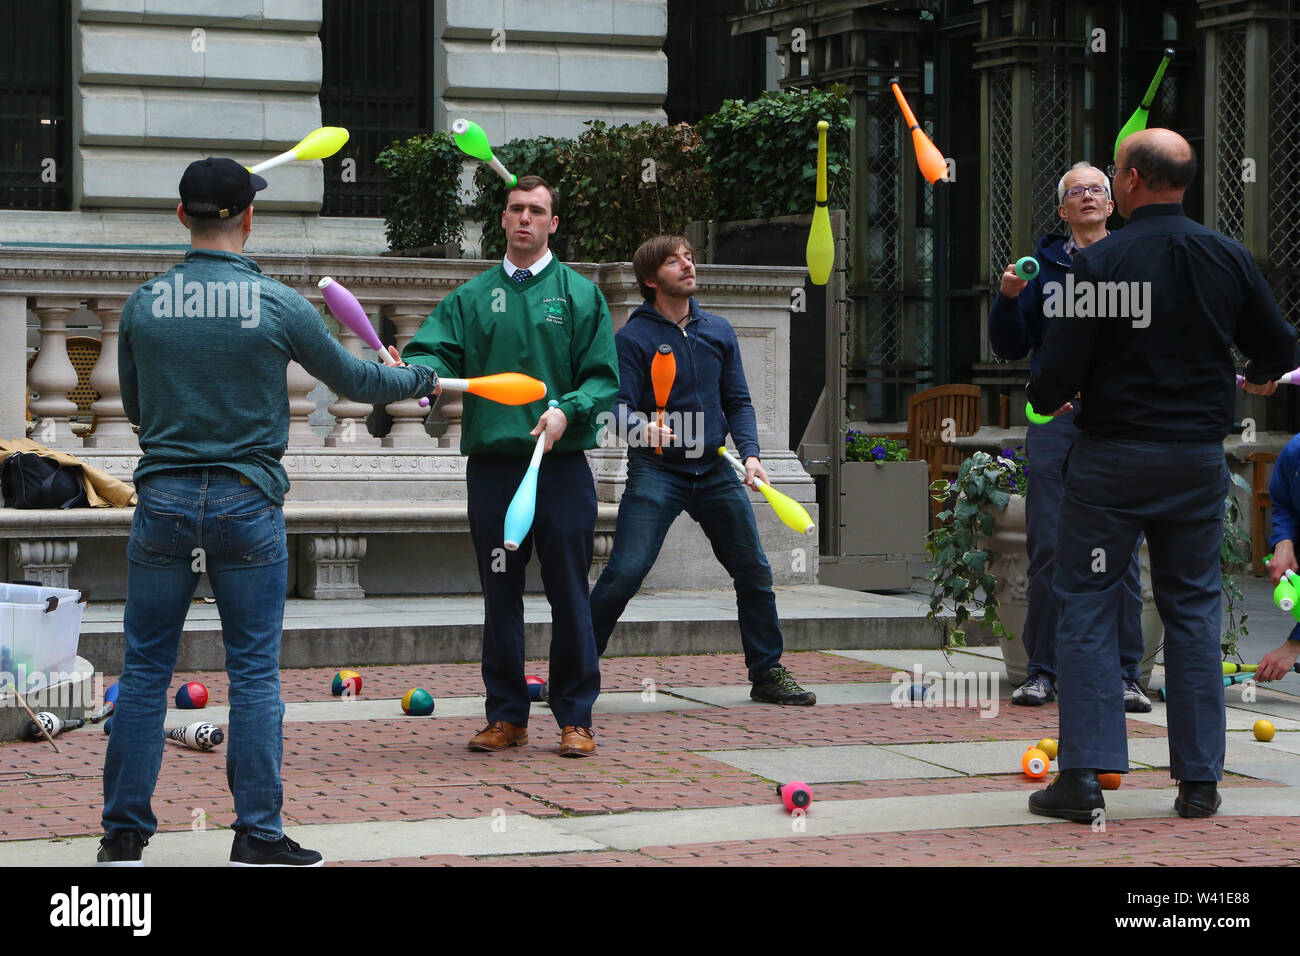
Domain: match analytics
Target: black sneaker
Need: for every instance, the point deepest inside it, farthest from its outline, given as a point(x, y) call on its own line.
point(249, 850)
point(1135, 702)
point(1034, 692)
point(776, 686)
point(122, 848)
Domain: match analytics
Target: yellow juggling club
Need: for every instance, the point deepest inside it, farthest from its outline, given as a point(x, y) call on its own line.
point(821, 245)
point(318, 144)
point(786, 508)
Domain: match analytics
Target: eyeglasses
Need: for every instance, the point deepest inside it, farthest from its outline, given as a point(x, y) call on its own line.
point(1112, 169)
point(1074, 192)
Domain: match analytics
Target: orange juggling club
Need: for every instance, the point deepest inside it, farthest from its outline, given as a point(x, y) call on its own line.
point(663, 370)
point(507, 388)
point(928, 158)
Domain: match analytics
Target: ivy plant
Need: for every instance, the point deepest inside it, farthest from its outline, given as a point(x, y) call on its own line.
point(424, 206)
point(962, 572)
point(761, 154)
point(1234, 557)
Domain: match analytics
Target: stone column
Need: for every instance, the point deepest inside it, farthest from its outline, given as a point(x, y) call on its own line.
point(330, 566)
point(45, 560)
point(408, 417)
point(603, 547)
point(53, 376)
point(349, 416)
point(13, 366)
point(452, 407)
point(112, 429)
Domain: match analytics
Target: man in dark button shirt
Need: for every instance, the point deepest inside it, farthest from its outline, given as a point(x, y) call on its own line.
point(1149, 318)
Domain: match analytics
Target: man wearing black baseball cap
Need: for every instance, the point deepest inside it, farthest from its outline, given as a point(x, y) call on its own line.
point(215, 188)
point(202, 357)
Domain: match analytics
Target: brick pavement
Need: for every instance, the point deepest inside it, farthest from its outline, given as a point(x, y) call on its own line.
point(390, 770)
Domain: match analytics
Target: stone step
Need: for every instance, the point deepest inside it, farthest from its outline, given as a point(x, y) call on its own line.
point(434, 630)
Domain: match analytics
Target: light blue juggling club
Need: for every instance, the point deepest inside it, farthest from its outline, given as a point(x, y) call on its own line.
point(519, 516)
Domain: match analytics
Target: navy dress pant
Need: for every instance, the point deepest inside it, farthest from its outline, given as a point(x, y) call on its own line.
point(563, 534)
point(1115, 491)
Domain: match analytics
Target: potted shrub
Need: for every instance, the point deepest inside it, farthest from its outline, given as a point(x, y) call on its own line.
point(884, 514)
point(423, 217)
point(981, 562)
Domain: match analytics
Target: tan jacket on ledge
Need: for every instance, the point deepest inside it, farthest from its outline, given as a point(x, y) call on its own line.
point(102, 489)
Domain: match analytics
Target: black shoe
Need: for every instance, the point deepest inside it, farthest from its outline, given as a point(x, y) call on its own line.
point(122, 848)
point(1198, 798)
point(1073, 795)
point(249, 850)
point(776, 686)
point(1135, 702)
point(1034, 692)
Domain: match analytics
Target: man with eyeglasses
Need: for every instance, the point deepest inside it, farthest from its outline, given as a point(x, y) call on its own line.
point(1159, 399)
point(1018, 325)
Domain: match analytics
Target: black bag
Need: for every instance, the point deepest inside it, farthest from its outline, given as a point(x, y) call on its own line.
point(33, 481)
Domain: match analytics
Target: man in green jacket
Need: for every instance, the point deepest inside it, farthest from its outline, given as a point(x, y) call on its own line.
point(534, 315)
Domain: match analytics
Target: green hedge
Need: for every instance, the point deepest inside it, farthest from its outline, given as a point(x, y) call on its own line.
point(424, 206)
point(619, 185)
point(543, 156)
point(624, 184)
point(762, 154)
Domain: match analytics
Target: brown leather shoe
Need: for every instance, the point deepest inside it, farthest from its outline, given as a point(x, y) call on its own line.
point(499, 735)
point(577, 742)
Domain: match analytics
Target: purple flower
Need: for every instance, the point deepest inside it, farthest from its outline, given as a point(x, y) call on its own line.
point(878, 453)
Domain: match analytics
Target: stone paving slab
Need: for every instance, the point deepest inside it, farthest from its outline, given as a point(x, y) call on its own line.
point(737, 695)
point(831, 764)
point(483, 836)
point(631, 831)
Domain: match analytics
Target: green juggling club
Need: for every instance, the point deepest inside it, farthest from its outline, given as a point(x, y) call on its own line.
point(473, 142)
point(1139, 118)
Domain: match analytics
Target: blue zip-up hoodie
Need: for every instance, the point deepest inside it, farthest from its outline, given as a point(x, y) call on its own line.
point(1018, 325)
point(710, 382)
point(1284, 491)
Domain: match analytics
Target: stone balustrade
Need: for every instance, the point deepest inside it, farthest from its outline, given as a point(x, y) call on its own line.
point(349, 471)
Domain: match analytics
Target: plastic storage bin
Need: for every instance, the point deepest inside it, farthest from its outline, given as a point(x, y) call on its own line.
point(39, 630)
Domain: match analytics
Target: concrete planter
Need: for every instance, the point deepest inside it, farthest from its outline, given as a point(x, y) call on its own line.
point(884, 516)
point(1011, 567)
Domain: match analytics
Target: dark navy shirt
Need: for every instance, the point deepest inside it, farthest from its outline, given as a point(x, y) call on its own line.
point(1167, 374)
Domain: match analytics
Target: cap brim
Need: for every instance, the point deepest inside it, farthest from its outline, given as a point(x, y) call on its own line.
point(258, 182)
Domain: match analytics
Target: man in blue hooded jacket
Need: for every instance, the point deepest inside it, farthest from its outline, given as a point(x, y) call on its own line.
point(1017, 325)
point(710, 398)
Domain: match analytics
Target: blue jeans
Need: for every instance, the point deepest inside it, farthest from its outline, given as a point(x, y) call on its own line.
point(652, 500)
point(1047, 447)
point(185, 517)
point(1114, 492)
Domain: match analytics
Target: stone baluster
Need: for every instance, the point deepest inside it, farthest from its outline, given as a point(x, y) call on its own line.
point(451, 407)
point(408, 417)
point(112, 428)
point(53, 376)
point(349, 416)
point(300, 383)
point(45, 560)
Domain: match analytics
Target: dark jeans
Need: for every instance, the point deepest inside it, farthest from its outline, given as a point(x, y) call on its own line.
point(652, 500)
point(241, 532)
point(1047, 447)
point(563, 531)
point(1114, 492)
